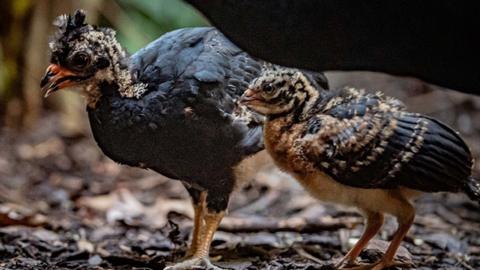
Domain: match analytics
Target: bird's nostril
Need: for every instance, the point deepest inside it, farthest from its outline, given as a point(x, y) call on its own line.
point(46, 78)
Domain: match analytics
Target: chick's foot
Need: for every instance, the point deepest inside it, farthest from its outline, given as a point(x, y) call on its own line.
point(194, 263)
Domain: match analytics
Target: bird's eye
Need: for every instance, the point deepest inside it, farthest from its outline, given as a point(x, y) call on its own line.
point(80, 60)
point(268, 88)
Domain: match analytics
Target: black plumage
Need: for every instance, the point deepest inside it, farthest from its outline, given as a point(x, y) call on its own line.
point(196, 69)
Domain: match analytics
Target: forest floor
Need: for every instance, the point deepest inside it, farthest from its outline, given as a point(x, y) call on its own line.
point(63, 205)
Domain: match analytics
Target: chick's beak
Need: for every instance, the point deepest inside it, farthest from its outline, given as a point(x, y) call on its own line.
point(56, 78)
point(250, 95)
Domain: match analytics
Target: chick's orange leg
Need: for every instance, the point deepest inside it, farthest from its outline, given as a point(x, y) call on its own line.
point(374, 222)
point(405, 213)
point(198, 223)
point(405, 221)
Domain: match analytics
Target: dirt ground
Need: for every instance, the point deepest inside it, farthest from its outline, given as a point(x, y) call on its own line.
point(63, 205)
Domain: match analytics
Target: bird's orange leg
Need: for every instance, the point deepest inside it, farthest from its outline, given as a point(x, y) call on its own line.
point(201, 246)
point(374, 222)
point(405, 213)
point(198, 223)
point(405, 221)
point(212, 220)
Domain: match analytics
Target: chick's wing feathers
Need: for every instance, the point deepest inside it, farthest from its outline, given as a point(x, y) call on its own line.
point(443, 162)
point(368, 141)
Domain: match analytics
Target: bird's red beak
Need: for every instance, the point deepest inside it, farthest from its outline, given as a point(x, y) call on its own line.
point(56, 78)
point(250, 96)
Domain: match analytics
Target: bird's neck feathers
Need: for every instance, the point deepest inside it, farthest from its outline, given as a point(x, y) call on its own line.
point(305, 98)
point(311, 95)
point(117, 74)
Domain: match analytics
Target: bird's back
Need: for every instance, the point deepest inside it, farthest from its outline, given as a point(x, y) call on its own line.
point(196, 62)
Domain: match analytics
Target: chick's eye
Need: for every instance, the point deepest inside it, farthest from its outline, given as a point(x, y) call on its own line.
point(80, 60)
point(268, 88)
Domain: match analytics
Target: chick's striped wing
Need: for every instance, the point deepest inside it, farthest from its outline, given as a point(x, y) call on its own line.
point(381, 146)
point(349, 150)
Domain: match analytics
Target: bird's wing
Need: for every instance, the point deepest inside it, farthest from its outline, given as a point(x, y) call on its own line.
point(200, 70)
point(222, 73)
point(198, 63)
point(368, 141)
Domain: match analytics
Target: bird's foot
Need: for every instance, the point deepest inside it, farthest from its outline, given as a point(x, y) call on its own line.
point(346, 263)
point(383, 264)
point(194, 263)
point(356, 266)
point(380, 265)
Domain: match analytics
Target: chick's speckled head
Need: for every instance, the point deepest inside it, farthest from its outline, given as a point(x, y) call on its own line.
point(80, 53)
point(277, 90)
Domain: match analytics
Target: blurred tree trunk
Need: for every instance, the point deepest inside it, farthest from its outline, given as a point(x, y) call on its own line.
point(15, 21)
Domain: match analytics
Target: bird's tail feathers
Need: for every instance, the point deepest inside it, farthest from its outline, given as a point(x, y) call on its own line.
point(472, 189)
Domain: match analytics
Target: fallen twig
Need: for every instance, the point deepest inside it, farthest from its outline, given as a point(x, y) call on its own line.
point(298, 224)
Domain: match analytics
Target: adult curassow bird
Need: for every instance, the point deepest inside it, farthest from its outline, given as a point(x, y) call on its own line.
point(358, 149)
point(433, 40)
point(170, 108)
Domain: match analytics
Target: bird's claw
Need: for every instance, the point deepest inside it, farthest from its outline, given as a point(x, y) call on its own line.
point(194, 263)
point(345, 263)
point(380, 265)
point(384, 265)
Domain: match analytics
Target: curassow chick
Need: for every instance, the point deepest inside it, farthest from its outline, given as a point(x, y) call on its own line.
point(171, 107)
point(357, 149)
